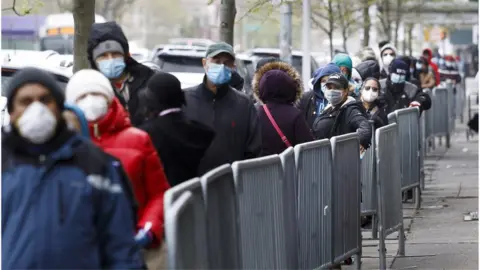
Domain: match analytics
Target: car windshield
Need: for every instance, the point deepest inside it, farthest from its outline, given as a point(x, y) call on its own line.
point(176, 63)
point(61, 44)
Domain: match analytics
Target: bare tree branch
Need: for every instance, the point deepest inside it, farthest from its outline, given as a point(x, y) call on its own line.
point(14, 9)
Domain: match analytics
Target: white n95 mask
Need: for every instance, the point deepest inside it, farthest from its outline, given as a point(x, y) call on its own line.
point(94, 107)
point(37, 123)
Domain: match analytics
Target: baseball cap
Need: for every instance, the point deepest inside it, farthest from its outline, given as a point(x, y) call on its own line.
point(339, 80)
point(218, 48)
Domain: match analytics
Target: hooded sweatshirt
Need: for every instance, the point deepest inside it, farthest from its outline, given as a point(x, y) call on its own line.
point(369, 68)
point(343, 60)
point(312, 103)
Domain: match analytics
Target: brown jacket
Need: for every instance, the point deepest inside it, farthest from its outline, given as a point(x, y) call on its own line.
point(427, 80)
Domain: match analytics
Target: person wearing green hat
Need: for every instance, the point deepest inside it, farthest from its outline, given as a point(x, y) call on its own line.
point(344, 62)
point(229, 112)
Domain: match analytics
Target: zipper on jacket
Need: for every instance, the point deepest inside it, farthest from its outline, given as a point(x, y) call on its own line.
point(61, 206)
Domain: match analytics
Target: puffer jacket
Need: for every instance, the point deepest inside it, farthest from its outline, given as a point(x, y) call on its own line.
point(133, 147)
point(346, 118)
point(138, 74)
point(394, 100)
point(368, 68)
point(279, 98)
point(64, 207)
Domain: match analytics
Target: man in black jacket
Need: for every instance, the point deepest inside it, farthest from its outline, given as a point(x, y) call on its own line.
point(397, 93)
point(230, 113)
point(108, 52)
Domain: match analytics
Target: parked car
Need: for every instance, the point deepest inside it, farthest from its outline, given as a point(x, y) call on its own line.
point(61, 74)
point(297, 57)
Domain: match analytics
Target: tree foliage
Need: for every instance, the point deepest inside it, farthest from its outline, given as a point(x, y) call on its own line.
point(24, 7)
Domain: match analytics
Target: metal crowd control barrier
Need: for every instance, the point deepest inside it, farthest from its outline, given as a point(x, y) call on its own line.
point(389, 189)
point(369, 185)
point(259, 186)
point(408, 127)
point(221, 212)
point(290, 207)
point(314, 171)
point(185, 226)
point(442, 113)
point(347, 235)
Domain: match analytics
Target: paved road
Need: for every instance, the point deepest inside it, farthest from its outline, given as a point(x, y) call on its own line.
point(438, 236)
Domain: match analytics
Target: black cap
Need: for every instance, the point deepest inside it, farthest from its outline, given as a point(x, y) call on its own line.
point(34, 75)
point(262, 62)
point(339, 80)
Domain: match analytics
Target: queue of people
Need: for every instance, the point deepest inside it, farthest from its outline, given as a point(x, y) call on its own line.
point(85, 170)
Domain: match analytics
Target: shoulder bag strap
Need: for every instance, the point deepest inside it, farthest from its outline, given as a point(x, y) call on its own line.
point(277, 128)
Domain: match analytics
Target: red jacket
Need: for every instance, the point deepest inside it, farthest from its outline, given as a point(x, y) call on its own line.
point(433, 65)
point(133, 147)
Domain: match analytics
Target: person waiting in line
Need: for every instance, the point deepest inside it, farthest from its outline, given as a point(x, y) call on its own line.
point(108, 52)
point(344, 62)
point(312, 103)
point(229, 112)
point(397, 93)
point(428, 54)
point(277, 86)
point(180, 143)
point(369, 95)
point(111, 130)
point(56, 181)
point(388, 53)
point(424, 74)
point(368, 68)
point(343, 114)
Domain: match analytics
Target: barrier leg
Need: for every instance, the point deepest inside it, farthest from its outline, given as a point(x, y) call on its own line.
point(375, 227)
point(382, 251)
point(417, 197)
point(401, 241)
point(448, 140)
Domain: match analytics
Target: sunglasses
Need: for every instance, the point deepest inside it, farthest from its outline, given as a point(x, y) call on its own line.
point(374, 89)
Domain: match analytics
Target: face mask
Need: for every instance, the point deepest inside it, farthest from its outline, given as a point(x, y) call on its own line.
point(94, 107)
point(357, 88)
point(218, 74)
point(37, 123)
point(334, 97)
point(397, 78)
point(387, 59)
point(112, 68)
point(324, 87)
point(412, 70)
point(369, 96)
point(419, 66)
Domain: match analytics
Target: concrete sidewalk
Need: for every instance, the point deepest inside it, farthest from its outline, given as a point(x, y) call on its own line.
point(439, 238)
point(436, 235)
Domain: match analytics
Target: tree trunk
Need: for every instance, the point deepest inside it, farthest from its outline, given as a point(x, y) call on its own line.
point(227, 20)
point(366, 24)
point(397, 21)
point(330, 39)
point(83, 17)
point(409, 34)
point(345, 38)
point(330, 26)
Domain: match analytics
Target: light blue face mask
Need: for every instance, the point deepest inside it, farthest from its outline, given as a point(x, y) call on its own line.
point(112, 68)
point(419, 66)
point(397, 78)
point(218, 74)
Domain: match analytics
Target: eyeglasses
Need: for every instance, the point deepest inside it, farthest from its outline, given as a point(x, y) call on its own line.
point(374, 89)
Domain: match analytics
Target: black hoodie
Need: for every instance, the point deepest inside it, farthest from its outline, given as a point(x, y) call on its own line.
point(368, 68)
point(139, 74)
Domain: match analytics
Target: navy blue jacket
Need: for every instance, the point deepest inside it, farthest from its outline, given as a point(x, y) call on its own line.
point(64, 207)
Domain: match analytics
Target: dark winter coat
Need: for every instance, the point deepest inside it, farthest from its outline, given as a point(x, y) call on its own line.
point(279, 85)
point(346, 118)
point(233, 117)
point(138, 73)
point(394, 100)
point(65, 208)
point(377, 114)
point(180, 143)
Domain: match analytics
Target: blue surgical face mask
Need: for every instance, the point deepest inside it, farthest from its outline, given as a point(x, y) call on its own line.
point(218, 74)
point(397, 78)
point(324, 87)
point(419, 66)
point(112, 68)
point(334, 96)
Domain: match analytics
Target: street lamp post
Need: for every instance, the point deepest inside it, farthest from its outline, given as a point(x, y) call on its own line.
point(306, 27)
